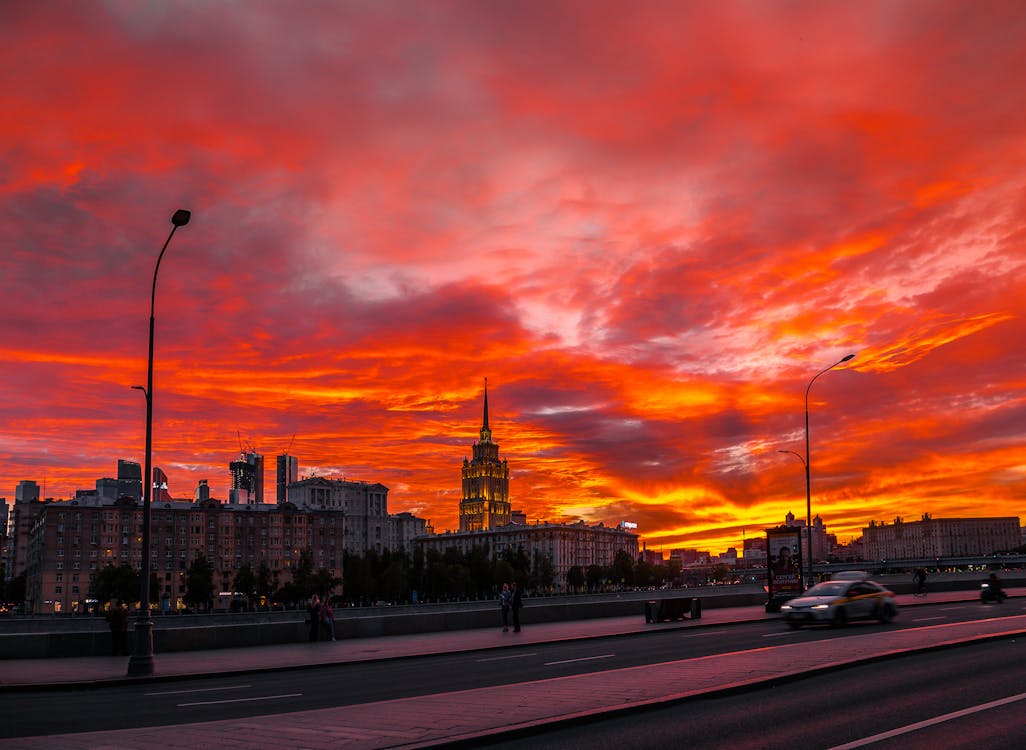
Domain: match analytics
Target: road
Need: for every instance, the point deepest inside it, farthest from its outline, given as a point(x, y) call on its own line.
point(30, 713)
point(966, 698)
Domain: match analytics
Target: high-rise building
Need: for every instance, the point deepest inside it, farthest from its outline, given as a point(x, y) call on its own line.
point(287, 473)
point(364, 505)
point(247, 479)
point(202, 491)
point(485, 499)
point(129, 480)
point(161, 493)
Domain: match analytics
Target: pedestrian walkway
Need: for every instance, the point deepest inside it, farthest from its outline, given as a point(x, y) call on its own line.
point(425, 721)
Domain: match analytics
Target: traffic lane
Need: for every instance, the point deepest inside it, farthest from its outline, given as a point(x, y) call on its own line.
point(958, 698)
point(238, 696)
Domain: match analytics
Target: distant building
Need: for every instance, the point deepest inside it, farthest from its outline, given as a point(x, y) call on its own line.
point(129, 480)
point(365, 506)
point(286, 473)
point(69, 543)
point(687, 557)
point(821, 540)
point(562, 545)
point(247, 479)
point(485, 497)
point(202, 491)
point(161, 492)
point(23, 514)
point(940, 537)
point(403, 528)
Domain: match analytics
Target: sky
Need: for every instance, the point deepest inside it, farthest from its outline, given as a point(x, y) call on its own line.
point(648, 225)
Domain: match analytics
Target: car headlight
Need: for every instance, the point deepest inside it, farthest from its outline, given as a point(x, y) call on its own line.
point(821, 606)
point(785, 607)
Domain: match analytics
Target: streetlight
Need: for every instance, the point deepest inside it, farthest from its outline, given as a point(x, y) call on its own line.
point(140, 663)
point(806, 461)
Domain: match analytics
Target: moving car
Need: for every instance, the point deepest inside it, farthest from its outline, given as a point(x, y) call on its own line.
point(838, 601)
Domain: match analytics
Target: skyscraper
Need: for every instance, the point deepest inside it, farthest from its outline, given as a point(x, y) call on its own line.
point(129, 480)
point(485, 503)
point(247, 479)
point(287, 473)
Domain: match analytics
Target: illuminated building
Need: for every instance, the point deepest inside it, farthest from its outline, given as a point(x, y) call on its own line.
point(940, 537)
point(562, 545)
point(485, 499)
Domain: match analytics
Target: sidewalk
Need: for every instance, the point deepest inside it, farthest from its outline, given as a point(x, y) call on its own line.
point(430, 720)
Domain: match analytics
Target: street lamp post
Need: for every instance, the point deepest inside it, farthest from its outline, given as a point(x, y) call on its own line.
point(808, 470)
point(140, 663)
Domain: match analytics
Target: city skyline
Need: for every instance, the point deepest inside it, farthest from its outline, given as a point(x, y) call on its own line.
point(649, 228)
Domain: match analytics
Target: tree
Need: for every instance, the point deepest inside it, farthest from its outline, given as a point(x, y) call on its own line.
point(245, 583)
point(324, 582)
point(121, 582)
point(575, 578)
point(14, 591)
point(199, 582)
point(623, 569)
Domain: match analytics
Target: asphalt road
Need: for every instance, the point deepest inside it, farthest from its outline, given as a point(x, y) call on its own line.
point(967, 698)
point(31, 712)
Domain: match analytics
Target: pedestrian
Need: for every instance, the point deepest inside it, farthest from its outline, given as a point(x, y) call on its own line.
point(516, 601)
point(920, 579)
point(314, 617)
point(117, 619)
point(327, 619)
point(504, 600)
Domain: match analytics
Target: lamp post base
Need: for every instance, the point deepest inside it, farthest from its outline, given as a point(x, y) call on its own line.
point(140, 663)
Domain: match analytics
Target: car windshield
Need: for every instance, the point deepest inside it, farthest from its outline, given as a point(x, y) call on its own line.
point(827, 588)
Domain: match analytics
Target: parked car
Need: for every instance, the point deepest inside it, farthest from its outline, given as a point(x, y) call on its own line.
point(839, 601)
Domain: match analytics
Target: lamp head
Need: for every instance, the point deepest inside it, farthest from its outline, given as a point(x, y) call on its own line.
point(843, 359)
point(181, 218)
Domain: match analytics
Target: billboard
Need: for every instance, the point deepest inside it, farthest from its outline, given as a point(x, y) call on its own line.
point(784, 563)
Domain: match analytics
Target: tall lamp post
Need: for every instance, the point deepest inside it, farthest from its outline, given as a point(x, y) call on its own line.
point(140, 663)
point(808, 471)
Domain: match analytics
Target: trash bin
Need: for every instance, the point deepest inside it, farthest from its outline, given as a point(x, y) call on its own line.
point(696, 609)
point(651, 611)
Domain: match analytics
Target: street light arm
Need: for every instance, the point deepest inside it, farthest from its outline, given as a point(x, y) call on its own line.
point(796, 454)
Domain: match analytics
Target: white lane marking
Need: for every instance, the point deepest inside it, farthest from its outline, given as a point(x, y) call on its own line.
point(952, 609)
point(584, 658)
point(929, 722)
point(200, 690)
point(699, 635)
point(778, 635)
point(514, 656)
point(927, 619)
point(241, 700)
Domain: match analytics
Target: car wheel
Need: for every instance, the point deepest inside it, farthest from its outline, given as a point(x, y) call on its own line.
point(794, 625)
point(840, 618)
point(884, 613)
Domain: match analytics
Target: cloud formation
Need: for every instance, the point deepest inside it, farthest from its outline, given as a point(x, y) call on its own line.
point(648, 227)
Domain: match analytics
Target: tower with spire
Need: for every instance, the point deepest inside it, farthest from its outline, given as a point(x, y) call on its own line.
point(485, 500)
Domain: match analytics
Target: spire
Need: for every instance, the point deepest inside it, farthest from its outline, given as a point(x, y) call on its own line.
point(486, 431)
point(484, 425)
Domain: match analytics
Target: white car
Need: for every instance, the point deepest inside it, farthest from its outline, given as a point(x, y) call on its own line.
point(837, 602)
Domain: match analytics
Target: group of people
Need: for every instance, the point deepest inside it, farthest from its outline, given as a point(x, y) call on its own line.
point(510, 602)
point(321, 618)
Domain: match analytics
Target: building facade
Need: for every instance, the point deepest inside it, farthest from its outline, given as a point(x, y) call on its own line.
point(565, 545)
point(71, 541)
point(485, 495)
point(286, 473)
point(365, 506)
point(403, 528)
point(940, 537)
point(247, 479)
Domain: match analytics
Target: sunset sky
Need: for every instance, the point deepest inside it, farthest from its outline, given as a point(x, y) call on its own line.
point(649, 225)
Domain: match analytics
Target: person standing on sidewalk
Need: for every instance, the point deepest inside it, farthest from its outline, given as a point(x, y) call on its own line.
point(313, 611)
point(516, 601)
point(504, 601)
point(117, 619)
point(327, 618)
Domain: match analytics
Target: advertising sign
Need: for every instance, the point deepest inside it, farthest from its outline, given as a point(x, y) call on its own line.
point(784, 564)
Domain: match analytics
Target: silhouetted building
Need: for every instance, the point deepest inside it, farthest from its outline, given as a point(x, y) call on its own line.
point(485, 499)
point(129, 480)
point(202, 491)
point(287, 473)
point(551, 549)
point(161, 492)
point(247, 479)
